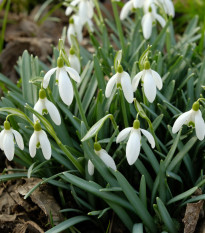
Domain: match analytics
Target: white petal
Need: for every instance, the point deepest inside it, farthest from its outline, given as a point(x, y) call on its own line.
point(160, 20)
point(71, 31)
point(78, 28)
point(147, 25)
point(8, 144)
point(38, 107)
point(90, 168)
point(149, 137)
point(73, 73)
point(70, 9)
point(149, 86)
point(169, 7)
point(136, 79)
point(123, 134)
point(157, 79)
point(53, 112)
point(126, 10)
point(133, 147)
point(107, 159)
point(1, 139)
point(138, 3)
point(74, 62)
point(199, 125)
point(32, 144)
point(45, 144)
point(182, 119)
point(18, 138)
point(127, 87)
point(110, 85)
point(65, 88)
point(83, 11)
point(47, 77)
point(90, 6)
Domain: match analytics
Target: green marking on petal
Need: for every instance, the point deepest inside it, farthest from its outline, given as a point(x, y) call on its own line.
point(38, 145)
point(44, 111)
point(191, 124)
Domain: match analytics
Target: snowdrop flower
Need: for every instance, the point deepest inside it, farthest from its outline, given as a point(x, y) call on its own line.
point(85, 9)
point(63, 80)
point(147, 20)
point(39, 139)
point(134, 141)
point(121, 79)
point(74, 60)
point(75, 29)
point(127, 8)
point(168, 6)
point(7, 136)
point(150, 79)
point(44, 106)
point(192, 118)
point(105, 157)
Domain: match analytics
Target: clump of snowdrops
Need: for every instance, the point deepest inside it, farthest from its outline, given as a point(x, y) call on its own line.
point(122, 129)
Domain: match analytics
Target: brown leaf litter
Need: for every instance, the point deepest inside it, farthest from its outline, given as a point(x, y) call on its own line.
point(18, 215)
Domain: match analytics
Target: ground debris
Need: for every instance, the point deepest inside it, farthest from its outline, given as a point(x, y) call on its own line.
point(192, 214)
point(18, 215)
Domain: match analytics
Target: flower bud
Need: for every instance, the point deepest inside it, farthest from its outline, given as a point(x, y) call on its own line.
point(42, 94)
point(147, 65)
point(195, 106)
point(97, 146)
point(136, 124)
point(37, 126)
point(60, 62)
point(7, 125)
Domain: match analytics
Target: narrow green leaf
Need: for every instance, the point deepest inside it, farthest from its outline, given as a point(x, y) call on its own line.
point(68, 223)
point(142, 191)
point(182, 195)
point(165, 216)
point(135, 201)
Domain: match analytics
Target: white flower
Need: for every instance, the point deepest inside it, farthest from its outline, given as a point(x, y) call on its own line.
point(192, 117)
point(129, 6)
point(75, 28)
point(104, 156)
point(134, 141)
point(168, 6)
point(147, 20)
point(74, 60)
point(7, 136)
point(63, 80)
point(43, 105)
point(150, 79)
point(122, 78)
point(39, 139)
point(70, 8)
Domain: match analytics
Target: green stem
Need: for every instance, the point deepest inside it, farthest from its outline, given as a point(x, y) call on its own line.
point(124, 112)
point(99, 11)
point(118, 23)
point(82, 113)
point(70, 156)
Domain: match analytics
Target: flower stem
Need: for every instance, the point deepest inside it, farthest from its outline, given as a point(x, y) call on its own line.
point(124, 112)
point(70, 156)
point(118, 23)
point(99, 11)
point(82, 113)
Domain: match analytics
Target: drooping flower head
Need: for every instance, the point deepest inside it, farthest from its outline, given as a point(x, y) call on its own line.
point(63, 80)
point(134, 140)
point(151, 80)
point(7, 136)
point(127, 8)
point(75, 28)
point(121, 79)
point(191, 118)
point(44, 106)
point(104, 156)
point(39, 139)
point(74, 60)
